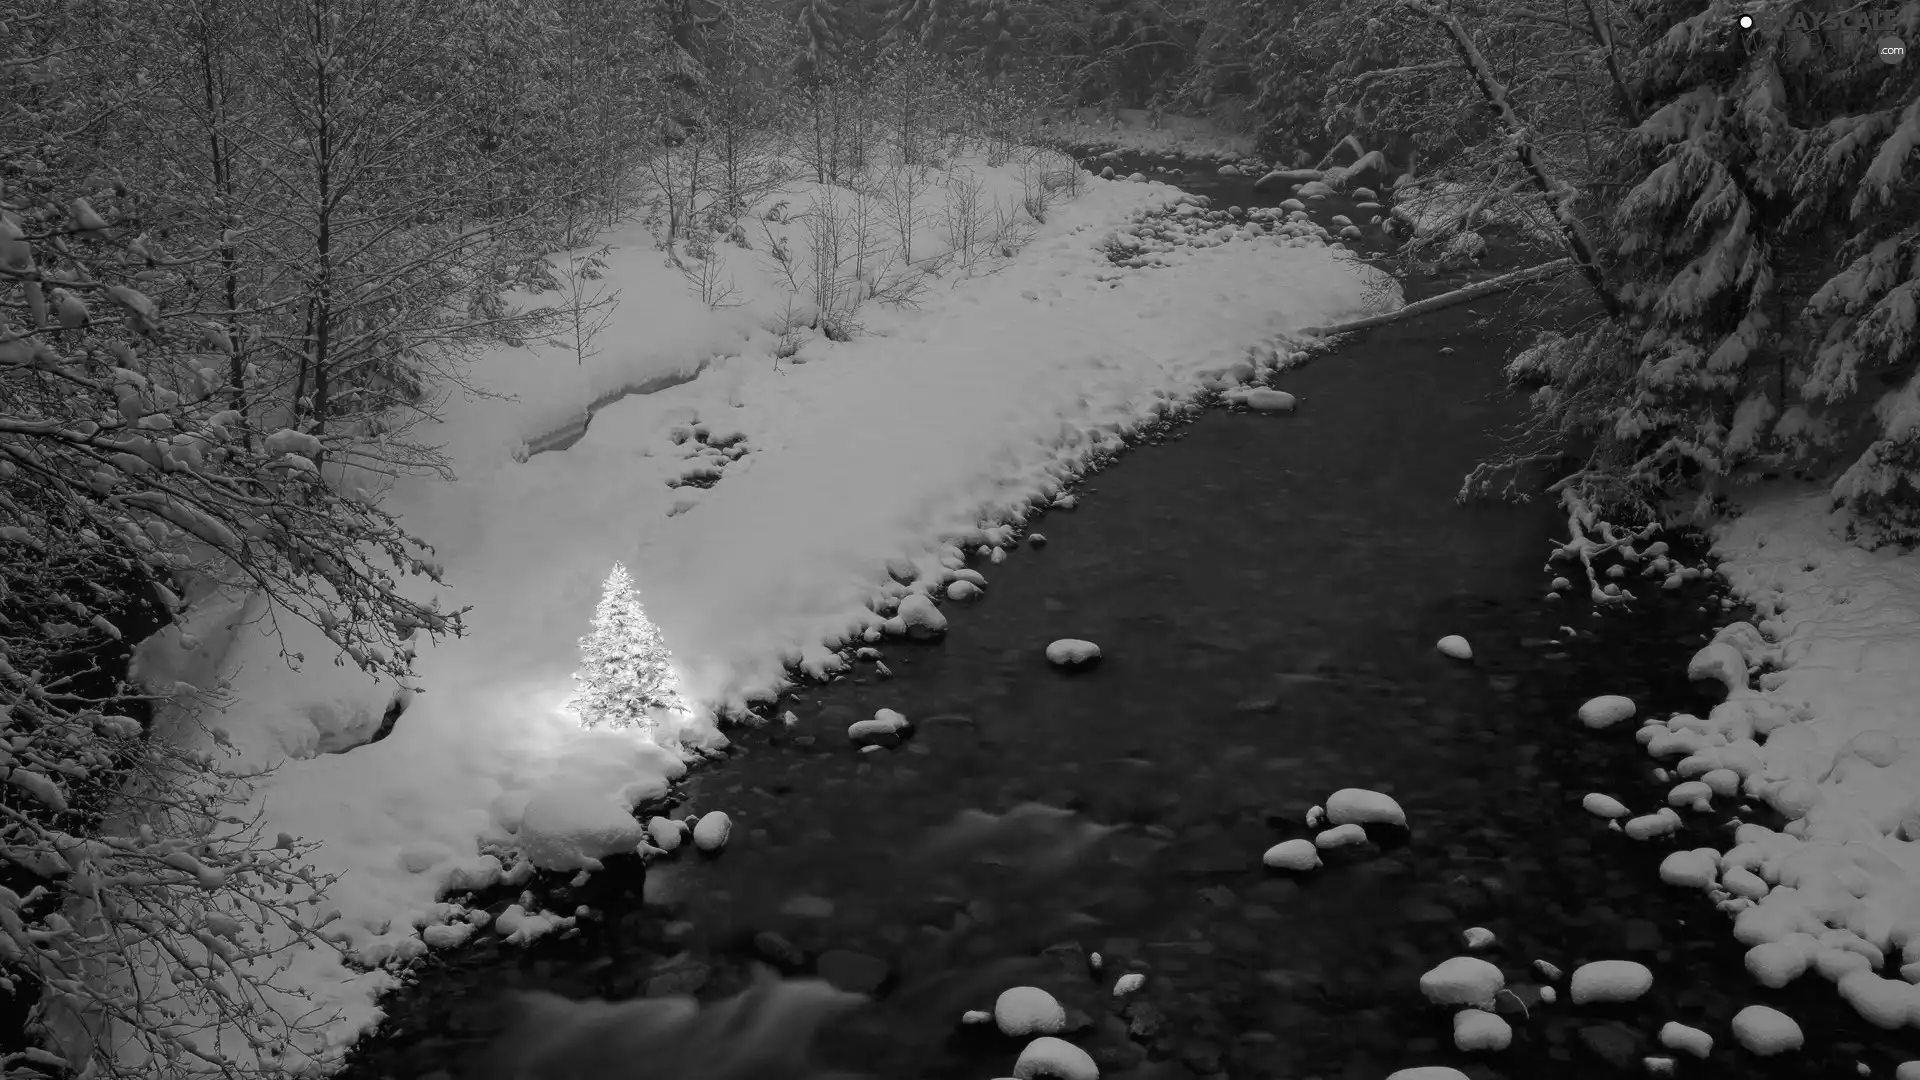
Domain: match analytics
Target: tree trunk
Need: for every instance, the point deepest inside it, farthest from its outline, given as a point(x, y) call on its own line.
point(1557, 193)
point(1446, 300)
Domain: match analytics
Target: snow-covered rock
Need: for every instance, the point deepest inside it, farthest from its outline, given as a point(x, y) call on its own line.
point(1692, 795)
point(1605, 806)
point(1687, 1040)
point(1359, 806)
point(1028, 1010)
point(1648, 826)
point(1477, 937)
point(1606, 710)
point(1341, 836)
point(1774, 964)
point(1263, 399)
point(1057, 1058)
point(921, 617)
point(710, 833)
point(666, 833)
point(567, 829)
point(976, 1016)
point(1463, 980)
point(1719, 662)
point(886, 727)
point(1478, 1029)
point(1296, 855)
point(962, 590)
point(1548, 971)
point(1455, 646)
point(1610, 982)
point(1072, 652)
point(1884, 1003)
point(1766, 1031)
point(1128, 983)
point(1429, 1072)
point(1694, 869)
point(1313, 189)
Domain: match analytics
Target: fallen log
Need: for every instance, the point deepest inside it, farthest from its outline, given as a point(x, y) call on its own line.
point(1449, 299)
point(1287, 176)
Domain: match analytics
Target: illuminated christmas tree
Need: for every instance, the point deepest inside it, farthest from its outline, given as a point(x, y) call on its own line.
point(628, 669)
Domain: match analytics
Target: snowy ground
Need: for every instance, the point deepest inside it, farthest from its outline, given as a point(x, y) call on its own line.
point(825, 465)
point(1820, 725)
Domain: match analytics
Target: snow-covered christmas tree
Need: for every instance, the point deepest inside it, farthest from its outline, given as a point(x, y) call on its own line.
point(628, 669)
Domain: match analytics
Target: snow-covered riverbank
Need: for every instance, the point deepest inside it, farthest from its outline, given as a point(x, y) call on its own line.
point(1821, 725)
point(757, 505)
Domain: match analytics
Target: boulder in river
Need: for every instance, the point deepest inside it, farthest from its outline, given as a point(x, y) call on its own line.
point(1296, 855)
point(1029, 1010)
point(1463, 980)
point(1073, 653)
point(1359, 806)
point(1606, 710)
point(886, 728)
point(1263, 399)
point(712, 830)
point(1056, 1058)
point(1455, 646)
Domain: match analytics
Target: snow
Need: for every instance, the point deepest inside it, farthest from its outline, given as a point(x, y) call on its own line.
point(1048, 1056)
point(978, 405)
point(1766, 1031)
point(1463, 980)
point(1429, 1072)
point(1072, 652)
point(1610, 982)
point(1128, 983)
point(919, 618)
point(1455, 646)
point(1028, 1010)
point(1297, 855)
point(1478, 1029)
point(1688, 1040)
point(1359, 806)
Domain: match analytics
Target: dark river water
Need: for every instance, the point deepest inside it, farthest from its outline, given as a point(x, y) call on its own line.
point(1267, 592)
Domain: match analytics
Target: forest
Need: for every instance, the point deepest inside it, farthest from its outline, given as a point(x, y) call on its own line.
point(246, 244)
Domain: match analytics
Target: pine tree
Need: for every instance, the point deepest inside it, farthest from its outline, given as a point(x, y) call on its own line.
point(628, 668)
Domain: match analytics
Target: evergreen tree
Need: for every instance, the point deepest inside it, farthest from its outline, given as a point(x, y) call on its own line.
point(823, 38)
point(628, 668)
